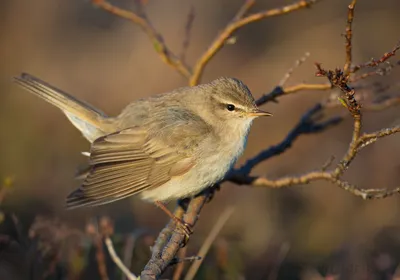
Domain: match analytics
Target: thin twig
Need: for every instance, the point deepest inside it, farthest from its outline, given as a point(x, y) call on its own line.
point(348, 36)
point(100, 258)
point(279, 91)
point(184, 260)
point(180, 265)
point(376, 62)
point(283, 251)
point(117, 260)
point(188, 32)
point(223, 218)
point(289, 73)
point(157, 40)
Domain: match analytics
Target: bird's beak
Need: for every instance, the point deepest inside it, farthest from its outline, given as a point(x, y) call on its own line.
point(259, 113)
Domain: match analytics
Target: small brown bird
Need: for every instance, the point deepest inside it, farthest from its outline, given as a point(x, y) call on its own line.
point(169, 146)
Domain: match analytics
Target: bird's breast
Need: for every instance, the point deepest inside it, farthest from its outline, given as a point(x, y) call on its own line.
point(212, 164)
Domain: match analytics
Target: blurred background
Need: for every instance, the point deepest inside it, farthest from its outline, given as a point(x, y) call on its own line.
point(314, 231)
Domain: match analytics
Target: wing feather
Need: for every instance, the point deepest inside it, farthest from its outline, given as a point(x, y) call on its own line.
point(132, 160)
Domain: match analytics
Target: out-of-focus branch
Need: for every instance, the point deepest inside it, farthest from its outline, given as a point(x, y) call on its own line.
point(289, 73)
point(188, 32)
point(117, 260)
point(5, 187)
point(155, 37)
point(224, 217)
point(282, 90)
point(100, 258)
point(177, 62)
point(239, 21)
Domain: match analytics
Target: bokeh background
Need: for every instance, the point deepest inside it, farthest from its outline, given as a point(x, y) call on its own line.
point(303, 232)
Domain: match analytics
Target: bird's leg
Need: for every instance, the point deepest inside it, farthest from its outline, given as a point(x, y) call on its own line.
point(185, 227)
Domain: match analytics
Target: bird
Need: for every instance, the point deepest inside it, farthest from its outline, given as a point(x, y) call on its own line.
point(164, 147)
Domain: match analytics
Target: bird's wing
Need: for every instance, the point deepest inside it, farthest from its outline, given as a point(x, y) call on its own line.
point(134, 159)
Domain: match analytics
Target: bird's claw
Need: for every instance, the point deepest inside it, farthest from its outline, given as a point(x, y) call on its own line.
point(186, 229)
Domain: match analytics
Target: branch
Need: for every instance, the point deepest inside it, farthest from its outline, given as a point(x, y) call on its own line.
point(280, 90)
point(348, 36)
point(339, 79)
point(155, 37)
point(223, 218)
point(188, 30)
point(306, 125)
point(171, 240)
point(178, 63)
point(117, 260)
point(100, 258)
point(239, 21)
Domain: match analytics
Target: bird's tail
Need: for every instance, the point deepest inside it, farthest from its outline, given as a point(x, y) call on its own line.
point(89, 120)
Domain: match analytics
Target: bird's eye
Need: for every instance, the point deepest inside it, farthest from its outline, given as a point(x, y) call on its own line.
point(230, 107)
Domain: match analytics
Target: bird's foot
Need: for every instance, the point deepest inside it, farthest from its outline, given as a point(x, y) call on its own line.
point(185, 228)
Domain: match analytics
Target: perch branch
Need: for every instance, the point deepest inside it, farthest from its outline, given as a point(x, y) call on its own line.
point(162, 256)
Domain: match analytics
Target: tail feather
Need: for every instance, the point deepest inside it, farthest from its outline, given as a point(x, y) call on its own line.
point(86, 118)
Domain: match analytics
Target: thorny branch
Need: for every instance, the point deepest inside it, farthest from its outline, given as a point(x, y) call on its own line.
point(169, 240)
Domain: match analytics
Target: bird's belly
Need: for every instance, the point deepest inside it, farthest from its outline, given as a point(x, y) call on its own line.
point(205, 173)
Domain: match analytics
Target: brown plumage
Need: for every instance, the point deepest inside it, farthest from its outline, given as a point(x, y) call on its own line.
point(168, 146)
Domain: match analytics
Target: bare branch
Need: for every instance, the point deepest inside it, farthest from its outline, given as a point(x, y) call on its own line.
point(100, 258)
point(239, 21)
point(306, 125)
point(180, 264)
point(348, 36)
point(162, 255)
point(289, 73)
point(279, 91)
point(117, 260)
point(376, 62)
point(188, 30)
point(311, 177)
point(157, 40)
point(223, 218)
